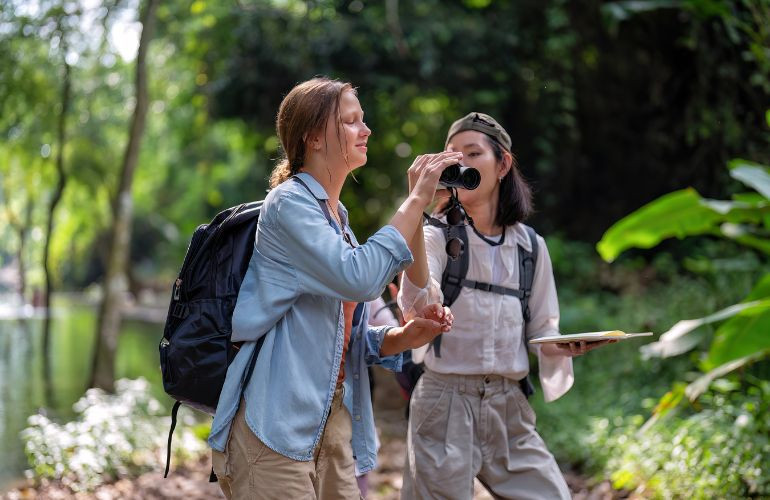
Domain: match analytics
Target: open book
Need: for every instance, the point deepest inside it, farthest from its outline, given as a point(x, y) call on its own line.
point(588, 337)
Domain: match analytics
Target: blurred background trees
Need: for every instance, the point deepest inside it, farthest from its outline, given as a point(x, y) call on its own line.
point(610, 105)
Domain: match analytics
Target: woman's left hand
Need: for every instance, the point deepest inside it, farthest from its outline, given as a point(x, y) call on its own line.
point(573, 349)
point(432, 321)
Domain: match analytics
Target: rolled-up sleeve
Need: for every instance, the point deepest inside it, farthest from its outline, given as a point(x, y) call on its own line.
point(326, 264)
point(411, 298)
point(373, 337)
point(556, 375)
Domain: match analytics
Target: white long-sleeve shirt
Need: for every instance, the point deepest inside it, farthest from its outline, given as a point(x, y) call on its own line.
point(486, 334)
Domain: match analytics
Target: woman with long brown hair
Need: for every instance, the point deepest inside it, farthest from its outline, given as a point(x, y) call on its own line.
point(304, 417)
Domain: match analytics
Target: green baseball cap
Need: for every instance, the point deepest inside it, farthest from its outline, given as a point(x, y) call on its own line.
point(483, 123)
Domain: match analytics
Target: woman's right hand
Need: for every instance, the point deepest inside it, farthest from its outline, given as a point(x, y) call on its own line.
point(426, 171)
point(423, 180)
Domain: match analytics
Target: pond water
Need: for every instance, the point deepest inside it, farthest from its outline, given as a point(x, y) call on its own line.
point(25, 389)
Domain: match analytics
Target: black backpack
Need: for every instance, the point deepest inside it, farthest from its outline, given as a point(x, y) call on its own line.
point(196, 350)
point(453, 280)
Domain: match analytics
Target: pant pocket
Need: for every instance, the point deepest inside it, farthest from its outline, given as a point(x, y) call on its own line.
point(527, 412)
point(427, 404)
point(219, 463)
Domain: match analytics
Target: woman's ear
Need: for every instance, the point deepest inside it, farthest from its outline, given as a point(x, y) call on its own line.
point(312, 142)
point(505, 165)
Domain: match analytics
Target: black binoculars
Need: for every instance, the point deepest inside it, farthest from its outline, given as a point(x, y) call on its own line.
point(460, 176)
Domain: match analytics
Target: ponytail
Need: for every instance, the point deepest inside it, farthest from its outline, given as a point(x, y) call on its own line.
point(281, 173)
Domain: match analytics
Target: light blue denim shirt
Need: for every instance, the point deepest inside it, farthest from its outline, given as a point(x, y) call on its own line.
point(299, 273)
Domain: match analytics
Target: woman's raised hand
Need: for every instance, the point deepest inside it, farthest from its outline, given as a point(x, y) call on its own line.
point(425, 172)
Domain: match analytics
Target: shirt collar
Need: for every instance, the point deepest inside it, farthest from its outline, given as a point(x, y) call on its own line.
point(320, 193)
point(518, 236)
point(315, 187)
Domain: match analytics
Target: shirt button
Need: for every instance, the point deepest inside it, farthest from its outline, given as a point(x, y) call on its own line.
point(355, 376)
point(358, 417)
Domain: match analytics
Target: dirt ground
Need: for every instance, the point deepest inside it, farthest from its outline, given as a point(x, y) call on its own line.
point(191, 483)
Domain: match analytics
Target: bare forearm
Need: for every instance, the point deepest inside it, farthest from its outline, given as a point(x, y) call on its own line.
point(418, 273)
point(394, 342)
point(408, 217)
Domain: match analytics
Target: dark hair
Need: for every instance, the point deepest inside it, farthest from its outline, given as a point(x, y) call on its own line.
point(304, 111)
point(515, 196)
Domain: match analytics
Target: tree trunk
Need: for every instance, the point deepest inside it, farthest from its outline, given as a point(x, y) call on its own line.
point(115, 282)
point(22, 246)
point(55, 199)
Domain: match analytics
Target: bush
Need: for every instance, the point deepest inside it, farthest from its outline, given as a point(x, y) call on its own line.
point(114, 435)
point(594, 428)
point(721, 451)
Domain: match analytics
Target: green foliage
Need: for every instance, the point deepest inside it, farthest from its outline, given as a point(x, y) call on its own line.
point(558, 78)
point(112, 436)
point(742, 335)
point(681, 213)
point(685, 213)
point(597, 426)
point(720, 451)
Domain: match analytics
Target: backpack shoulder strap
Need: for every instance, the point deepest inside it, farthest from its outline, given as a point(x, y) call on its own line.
point(456, 269)
point(527, 263)
point(453, 275)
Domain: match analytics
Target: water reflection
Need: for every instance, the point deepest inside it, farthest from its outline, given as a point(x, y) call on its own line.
point(30, 382)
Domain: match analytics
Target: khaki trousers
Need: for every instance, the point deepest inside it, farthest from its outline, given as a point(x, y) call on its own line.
point(249, 469)
point(466, 426)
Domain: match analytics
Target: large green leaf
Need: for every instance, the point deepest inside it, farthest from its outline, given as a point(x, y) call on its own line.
point(699, 385)
point(752, 174)
point(740, 212)
point(684, 335)
point(681, 213)
point(746, 235)
point(744, 334)
point(761, 289)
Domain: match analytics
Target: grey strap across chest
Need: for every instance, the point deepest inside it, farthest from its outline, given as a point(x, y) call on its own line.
point(453, 279)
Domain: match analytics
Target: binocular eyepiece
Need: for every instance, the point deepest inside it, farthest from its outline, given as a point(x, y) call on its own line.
point(460, 176)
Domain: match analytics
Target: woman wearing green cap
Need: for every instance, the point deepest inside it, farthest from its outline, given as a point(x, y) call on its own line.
point(469, 415)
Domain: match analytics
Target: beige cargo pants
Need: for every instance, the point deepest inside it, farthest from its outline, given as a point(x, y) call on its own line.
point(249, 469)
point(466, 426)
